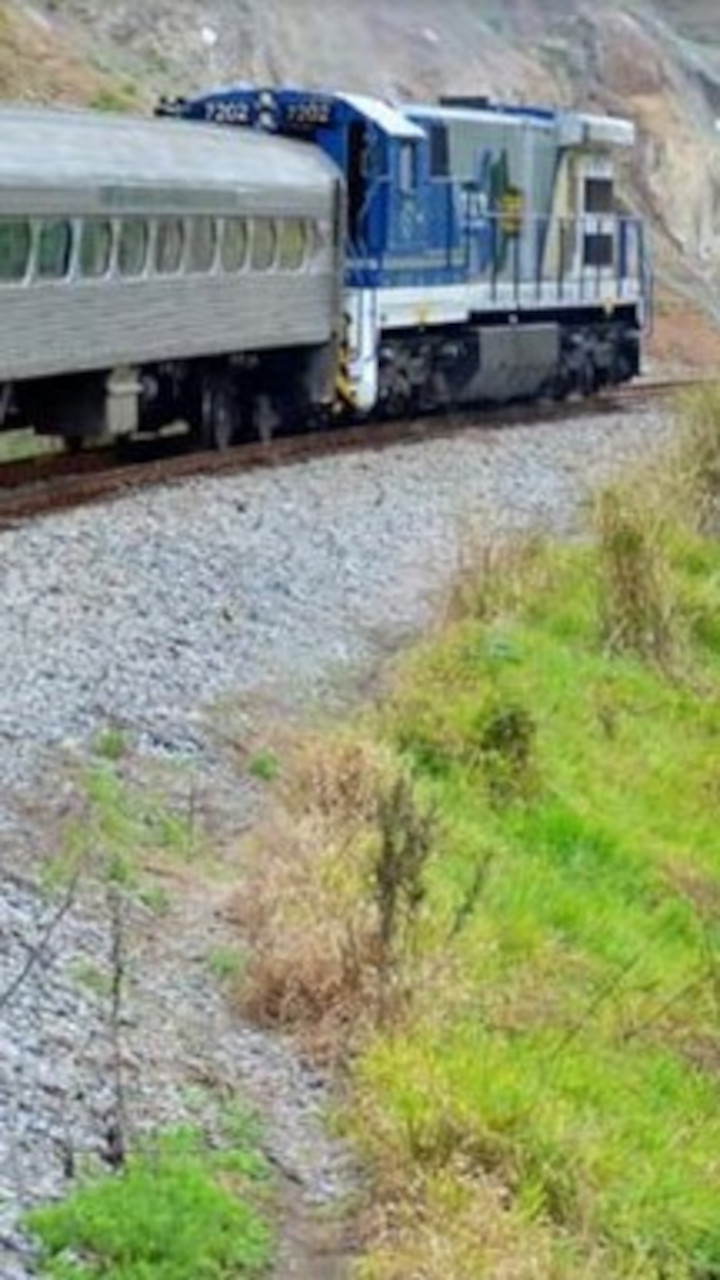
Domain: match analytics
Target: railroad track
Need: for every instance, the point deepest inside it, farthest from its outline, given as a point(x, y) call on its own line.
point(57, 482)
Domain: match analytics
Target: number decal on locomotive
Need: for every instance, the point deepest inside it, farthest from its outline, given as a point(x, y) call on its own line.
point(227, 111)
point(309, 114)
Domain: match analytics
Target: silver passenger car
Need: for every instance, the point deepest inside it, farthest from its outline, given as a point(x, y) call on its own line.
point(151, 269)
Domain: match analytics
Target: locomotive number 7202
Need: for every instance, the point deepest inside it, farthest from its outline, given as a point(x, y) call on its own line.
point(309, 113)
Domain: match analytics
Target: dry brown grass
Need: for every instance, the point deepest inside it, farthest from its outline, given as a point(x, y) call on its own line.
point(636, 600)
point(693, 469)
point(332, 896)
point(492, 578)
point(489, 1237)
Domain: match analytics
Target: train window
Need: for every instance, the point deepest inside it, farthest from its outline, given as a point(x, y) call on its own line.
point(439, 153)
point(599, 250)
point(599, 195)
point(319, 237)
point(407, 168)
point(54, 250)
point(202, 243)
point(15, 241)
point(233, 248)
point(132, 247)
point(169, 246)
point(95, 248)
point(263, 244)
point(292, 244)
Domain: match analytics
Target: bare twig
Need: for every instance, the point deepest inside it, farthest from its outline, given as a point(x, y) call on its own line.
point(115, 1136)
point(36, 953)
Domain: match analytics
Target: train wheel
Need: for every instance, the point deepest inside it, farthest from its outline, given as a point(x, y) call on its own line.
point(218, 414)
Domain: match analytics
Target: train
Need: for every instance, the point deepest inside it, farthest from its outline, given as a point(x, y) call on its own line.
point(252, 260)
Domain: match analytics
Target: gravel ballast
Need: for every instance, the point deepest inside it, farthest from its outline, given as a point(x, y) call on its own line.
point(145, 614)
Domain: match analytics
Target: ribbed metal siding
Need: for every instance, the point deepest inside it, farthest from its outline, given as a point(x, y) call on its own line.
point(73, 164)
point(52, 329)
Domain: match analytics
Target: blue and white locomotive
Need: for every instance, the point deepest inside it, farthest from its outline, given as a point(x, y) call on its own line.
point(486, 259)
point(259, 257)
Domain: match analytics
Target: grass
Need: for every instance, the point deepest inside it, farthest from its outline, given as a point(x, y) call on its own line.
point(542, 1101)
point(177, 1211)
point(121, 827)
point(19, 446)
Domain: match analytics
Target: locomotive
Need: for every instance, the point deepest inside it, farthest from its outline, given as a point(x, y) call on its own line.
point(254, 258)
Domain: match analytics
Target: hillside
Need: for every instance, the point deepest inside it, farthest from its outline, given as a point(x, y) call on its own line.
point(658, 61)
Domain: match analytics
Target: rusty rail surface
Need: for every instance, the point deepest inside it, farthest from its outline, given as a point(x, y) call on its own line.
point(57, 482)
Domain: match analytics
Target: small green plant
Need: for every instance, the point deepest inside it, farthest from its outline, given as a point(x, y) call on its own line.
point(507, 753)
point(226, 963)
point(264, 766)
point(91, 977)
point(155, 898)
point(176, 1211)
point(119, 826)
point(111, 744)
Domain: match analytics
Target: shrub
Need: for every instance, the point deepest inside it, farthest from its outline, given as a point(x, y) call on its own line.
point(333, 897)
point(696, 468)
point(166, 1216)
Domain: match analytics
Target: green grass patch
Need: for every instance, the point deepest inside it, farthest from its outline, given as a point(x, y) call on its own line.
point(177, 1211)
point(560, 1065)
point(119, 827)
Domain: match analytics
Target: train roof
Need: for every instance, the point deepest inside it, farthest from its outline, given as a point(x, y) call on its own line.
point(572, 127)
point(75, 149)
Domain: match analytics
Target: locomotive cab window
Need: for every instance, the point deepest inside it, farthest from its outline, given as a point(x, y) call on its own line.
point(54, 250)
point(263, 244)
point(15, 242)
point(599, 195)
point(233, 246)
point(95, 248)
point(132, 247)
point(202, 240)
point(408, 168)
point(439, 152)
point(169, 246)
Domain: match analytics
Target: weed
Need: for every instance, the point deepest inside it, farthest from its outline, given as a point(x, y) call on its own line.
point(111, 744)
point(226, 963)
point(155, 898)
point(697, 456)
point(117, 829)
point(171, 1214)
point(264, 766)
point(406, 836)
point(491, 579)
point(334, 896)
point(507, 748)
point(636, 603)
point(88, 975)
